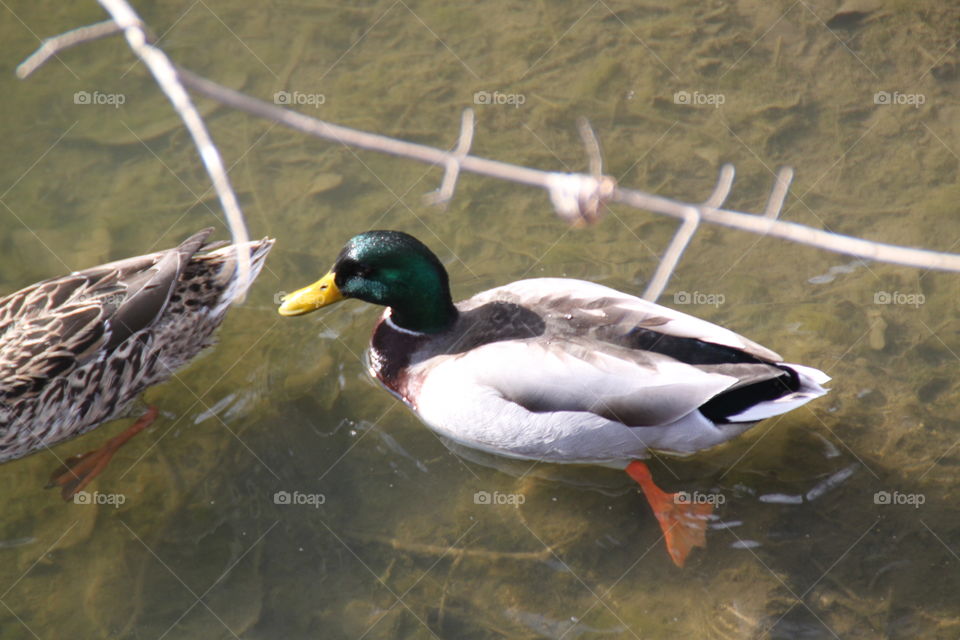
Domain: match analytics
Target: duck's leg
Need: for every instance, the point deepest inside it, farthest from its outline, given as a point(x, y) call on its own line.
point(79, 470)
point(684, 525)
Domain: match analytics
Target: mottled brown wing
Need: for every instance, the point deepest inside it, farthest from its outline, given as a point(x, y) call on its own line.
point(40, 347)
point(49, 329)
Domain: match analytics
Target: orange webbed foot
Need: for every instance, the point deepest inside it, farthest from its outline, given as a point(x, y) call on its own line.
point(77, 471)
point(684, 525)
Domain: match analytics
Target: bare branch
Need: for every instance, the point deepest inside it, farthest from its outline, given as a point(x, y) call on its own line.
point(722, 188)
point(672, 256)
point(906, 256)
point(592, 146)
point(445, 192)
point(56, 44)
point(166, 76)
point(779, 193)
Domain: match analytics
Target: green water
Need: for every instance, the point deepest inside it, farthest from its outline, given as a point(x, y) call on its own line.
point(399, 548)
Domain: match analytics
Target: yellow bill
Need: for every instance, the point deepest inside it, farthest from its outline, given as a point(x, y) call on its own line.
point(321, 293)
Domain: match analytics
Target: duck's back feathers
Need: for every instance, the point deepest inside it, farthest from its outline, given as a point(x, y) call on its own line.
point(52, 327)
point(569, 370)
point(629, 320)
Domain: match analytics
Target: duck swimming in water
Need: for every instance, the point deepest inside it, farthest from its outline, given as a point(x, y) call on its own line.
point(76, 350)
point(559, 370)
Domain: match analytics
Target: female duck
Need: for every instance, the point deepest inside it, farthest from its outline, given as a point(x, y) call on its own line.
point(76, 350)
point(559, 370)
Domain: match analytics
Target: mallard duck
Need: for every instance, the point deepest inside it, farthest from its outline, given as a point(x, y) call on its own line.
point(559, 370)
point(75, 351)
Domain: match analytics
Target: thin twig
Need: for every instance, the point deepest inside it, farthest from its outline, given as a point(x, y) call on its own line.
point(543, 555)
point(56, 44)
point(452, 173)
point(779, 193)
point(672, 256)
point(592, 146)
point(722, 189)
point(907, 256)
point(166, 76)
point(684, 234)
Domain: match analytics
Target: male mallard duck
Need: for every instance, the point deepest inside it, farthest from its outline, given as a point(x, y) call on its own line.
point(75, 351)
point(559, 370)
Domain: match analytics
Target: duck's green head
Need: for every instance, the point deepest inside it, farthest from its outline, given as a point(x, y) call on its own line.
point(389, 268)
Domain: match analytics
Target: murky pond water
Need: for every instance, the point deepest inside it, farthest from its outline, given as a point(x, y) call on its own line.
point(838, 520)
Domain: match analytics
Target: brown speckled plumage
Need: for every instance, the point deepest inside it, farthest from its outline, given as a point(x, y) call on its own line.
point(76, 350)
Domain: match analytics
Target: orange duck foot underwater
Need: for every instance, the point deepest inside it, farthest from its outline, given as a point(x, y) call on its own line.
point(684, 524)
point(559, 370)
point(77, 471)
